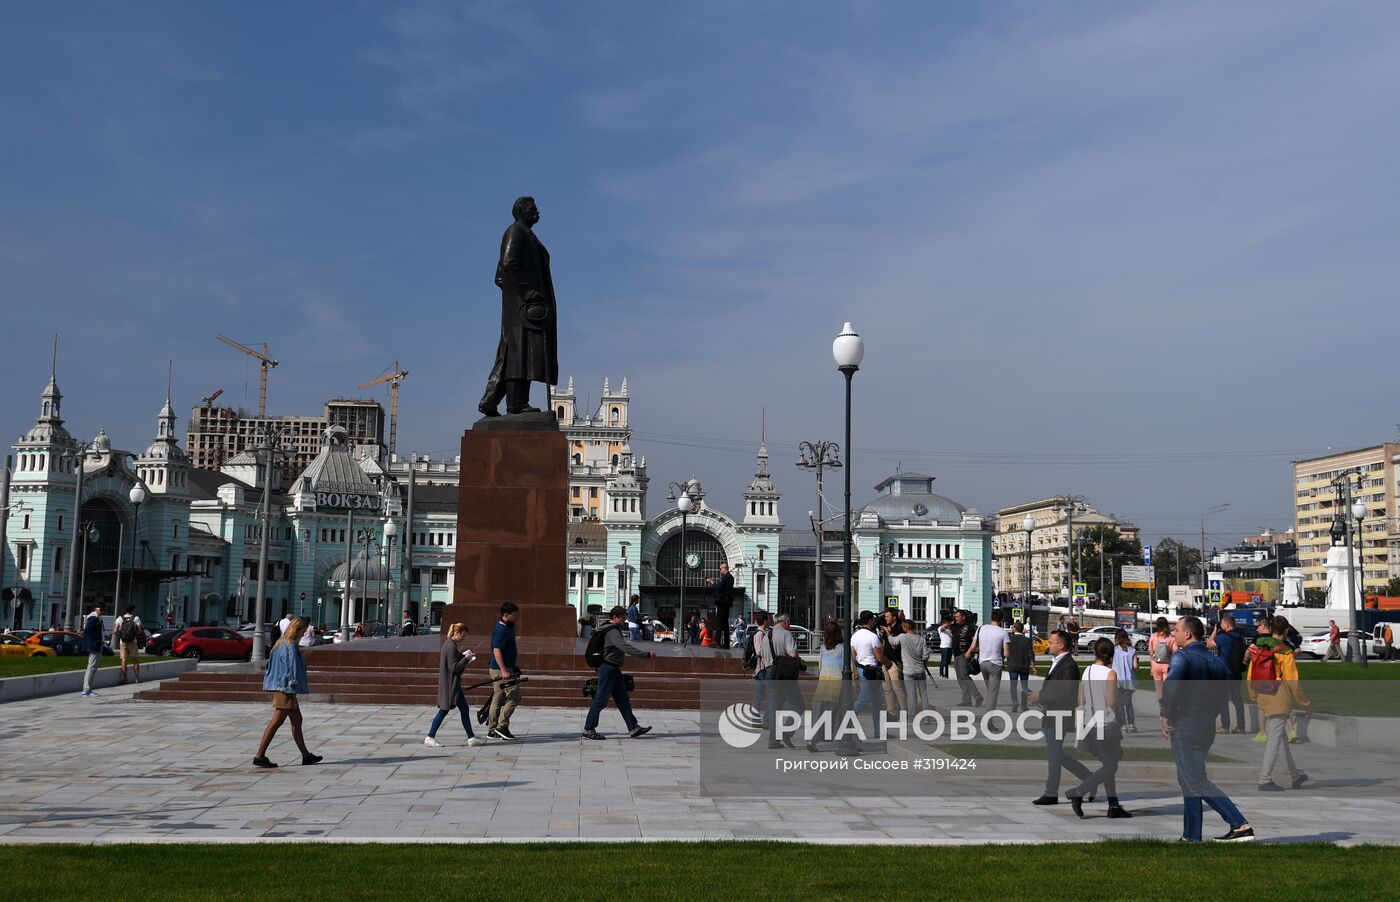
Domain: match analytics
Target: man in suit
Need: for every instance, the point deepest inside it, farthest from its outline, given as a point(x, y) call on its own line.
point(724, 601)
point(1059, 697)
point(528, 349)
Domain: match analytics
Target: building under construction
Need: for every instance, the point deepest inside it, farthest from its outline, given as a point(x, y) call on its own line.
point(217, 434)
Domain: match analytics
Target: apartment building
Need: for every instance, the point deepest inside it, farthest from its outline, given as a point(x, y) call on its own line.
point(1316, 502)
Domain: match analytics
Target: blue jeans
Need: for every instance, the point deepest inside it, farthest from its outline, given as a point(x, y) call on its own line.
point(610, 685)
point(869, 696)
point(462, 709)
point(636, 634)
point(1191, 742)
point(1020, 688)
point(944, 656)
point(760, 677)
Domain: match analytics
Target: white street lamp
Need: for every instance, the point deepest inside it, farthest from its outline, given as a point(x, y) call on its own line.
point(849, 350)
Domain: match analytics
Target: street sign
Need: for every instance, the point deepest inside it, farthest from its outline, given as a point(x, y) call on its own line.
point(1147, 554)
point(1215, 596)
point(1017, 614)
point(1125, 618)
point(303, 596)
point(996, 602)
point(1081, 590)
point(891, 601)
point(1135, 577)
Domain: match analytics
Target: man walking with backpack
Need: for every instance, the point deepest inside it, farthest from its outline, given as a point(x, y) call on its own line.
point(1229, 645)
point(605, 652)
point(1273, 686)
point(128, 632)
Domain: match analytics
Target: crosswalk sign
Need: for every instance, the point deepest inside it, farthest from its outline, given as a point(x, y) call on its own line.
point(1016, 614)
point(1081, 590)
point(1215, 596)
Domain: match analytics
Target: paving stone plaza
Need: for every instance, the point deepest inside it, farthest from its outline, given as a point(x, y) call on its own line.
point(112, 769)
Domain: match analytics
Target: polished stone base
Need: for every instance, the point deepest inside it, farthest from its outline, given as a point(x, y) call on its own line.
point(539, 421)
point(512, 528)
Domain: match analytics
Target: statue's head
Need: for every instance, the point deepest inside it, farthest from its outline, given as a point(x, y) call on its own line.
point(524, 210)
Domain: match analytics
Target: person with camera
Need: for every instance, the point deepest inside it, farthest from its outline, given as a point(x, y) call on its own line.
point(964, 634)
point(505, 693)
point(785, 669)
point(869, 656)
point(611, 683)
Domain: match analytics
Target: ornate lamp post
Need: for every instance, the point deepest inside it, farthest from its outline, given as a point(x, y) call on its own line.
point(137, 496)
point(681, 494)
point(271, 446)
point(1028, 524)
point(848, 349)
point(391, 532)
point(819, 456)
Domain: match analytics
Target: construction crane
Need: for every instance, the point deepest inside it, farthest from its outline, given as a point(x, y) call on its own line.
point(393, 378)
point(210, 399)
point(266, 363)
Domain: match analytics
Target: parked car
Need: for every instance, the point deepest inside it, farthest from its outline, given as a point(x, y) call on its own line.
point(12, 646)
point(211, 642)
point(1088, 637)
point(1316, 644)
point(160, 641)
point(806, 642)
point(661, 632)
point(21, 635)
point(62, 642)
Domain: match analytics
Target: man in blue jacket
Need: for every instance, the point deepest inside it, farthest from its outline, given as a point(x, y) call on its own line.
point(1230, 645)
point(1191, 697)
point(92, 647)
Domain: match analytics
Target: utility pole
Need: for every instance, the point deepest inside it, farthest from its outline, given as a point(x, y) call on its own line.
point(271, 446)
point(819, 456)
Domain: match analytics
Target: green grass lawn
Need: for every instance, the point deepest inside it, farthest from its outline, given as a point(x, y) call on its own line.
point(27, 666)
point(708, 870)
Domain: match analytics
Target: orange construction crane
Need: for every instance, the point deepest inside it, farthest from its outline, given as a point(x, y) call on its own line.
point(265, 362)
point(210, 399)
point(393, 378)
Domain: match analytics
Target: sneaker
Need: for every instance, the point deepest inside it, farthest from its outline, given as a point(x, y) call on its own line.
point(1270, 786)
point(473, 742)
point(262, 762)
point(642, 731)
point(1299, 780)
point(89, 694)
point(431, 743)
point(1260, 737)
point(1240, 834)
point(504, 733)
point(593, 734)
point(499, 734)
point(1188, 841)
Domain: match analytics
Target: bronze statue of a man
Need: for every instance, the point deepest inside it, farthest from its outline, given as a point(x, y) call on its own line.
point(528, 350)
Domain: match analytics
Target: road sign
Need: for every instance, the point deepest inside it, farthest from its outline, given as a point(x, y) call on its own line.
point(996, 603)
point(303, 596)
point(1215, 596)
point(891, 601)
point(1135, 577)
point(1147, 554)
point(1017, 614)
point(1081, 590)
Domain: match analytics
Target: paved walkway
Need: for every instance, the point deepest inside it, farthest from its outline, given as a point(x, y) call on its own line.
point(110, 769)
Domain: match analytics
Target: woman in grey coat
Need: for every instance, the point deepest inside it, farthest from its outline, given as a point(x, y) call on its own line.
point(451, 663)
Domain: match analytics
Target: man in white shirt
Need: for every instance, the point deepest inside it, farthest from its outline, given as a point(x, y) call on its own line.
point(282, 624)
point(865, 650)
point(990, 646)
point(783, 694)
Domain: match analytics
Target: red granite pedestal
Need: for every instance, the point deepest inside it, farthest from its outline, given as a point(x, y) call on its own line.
point(512, 524)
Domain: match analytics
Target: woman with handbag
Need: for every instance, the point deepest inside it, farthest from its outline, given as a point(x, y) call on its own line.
point(285, 678)
point(453, 660)
point(1098, 694)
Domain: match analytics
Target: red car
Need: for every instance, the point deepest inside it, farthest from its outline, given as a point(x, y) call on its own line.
point(211, 642)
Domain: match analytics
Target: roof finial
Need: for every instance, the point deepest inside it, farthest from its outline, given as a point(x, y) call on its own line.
point(763, 426)
point(169, 377)
point(53, 365)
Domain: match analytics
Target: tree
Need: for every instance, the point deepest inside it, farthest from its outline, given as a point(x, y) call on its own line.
point(1392, 588)
point(1314, 598)
point(1176, 562)
point(1106, 542)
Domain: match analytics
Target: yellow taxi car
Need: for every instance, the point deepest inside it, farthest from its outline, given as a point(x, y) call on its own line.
point(15, 647)
point(1040, 646)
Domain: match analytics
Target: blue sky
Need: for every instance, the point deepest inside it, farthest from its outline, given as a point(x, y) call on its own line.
point(1092, 248)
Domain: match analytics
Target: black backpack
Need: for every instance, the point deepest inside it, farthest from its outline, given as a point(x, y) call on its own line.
point(127, 631)
point(750, 653)
point(1235, 661)
point(593, 655)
